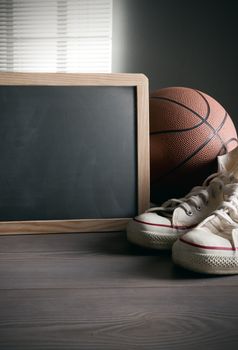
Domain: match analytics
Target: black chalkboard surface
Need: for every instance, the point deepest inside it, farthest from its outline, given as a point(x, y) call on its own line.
point(69, 152)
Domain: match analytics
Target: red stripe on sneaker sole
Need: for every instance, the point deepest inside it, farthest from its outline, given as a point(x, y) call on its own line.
point(169, 226)
point(207, 247)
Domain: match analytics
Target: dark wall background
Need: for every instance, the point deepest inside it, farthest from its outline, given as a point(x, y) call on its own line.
point(180, 43)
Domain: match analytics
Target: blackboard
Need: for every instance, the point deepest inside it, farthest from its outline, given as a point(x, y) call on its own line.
point(74, 151)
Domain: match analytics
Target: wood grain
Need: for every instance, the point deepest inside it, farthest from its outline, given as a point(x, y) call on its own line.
point(62, 226)
point(73, 79)
point(143, 145)
point(97, 291)
point(96, 260)
point(166, 318)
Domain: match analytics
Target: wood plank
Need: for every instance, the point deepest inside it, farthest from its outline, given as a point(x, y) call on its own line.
point(100, 260)
point(62, 226)
point(144, 318)
point(73, 79)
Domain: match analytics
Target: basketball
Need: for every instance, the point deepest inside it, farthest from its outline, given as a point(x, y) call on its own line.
point(188, 130)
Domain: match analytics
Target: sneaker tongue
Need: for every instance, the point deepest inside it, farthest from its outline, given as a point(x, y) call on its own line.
point(180, 217)
point(167, 209)
point(166, 215)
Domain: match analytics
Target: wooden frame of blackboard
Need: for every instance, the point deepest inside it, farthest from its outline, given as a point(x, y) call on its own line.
point(140, 83)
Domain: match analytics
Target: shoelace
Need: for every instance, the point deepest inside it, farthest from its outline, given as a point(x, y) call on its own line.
point(197, 195)
point(228, 210)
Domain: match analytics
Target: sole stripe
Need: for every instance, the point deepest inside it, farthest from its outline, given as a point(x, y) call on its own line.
point(208, 247)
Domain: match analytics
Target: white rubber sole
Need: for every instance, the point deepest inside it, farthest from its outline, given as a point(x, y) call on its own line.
point(203, 261)
point(151, 237)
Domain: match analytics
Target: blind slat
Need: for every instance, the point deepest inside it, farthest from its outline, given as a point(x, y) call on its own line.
point(55, 35)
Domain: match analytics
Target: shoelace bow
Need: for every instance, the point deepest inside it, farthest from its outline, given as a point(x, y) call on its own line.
point(195, 197)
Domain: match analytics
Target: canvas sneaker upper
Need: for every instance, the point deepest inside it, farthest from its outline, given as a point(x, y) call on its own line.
point(212, 247)
point(159, 227)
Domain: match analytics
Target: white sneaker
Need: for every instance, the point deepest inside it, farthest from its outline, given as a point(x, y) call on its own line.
point(212, 247)
point(160, 227)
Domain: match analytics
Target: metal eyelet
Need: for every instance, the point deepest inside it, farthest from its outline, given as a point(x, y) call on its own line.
point(189, 213)
point(198, 208)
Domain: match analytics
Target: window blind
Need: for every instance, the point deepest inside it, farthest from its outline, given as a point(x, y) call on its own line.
point(55, 35)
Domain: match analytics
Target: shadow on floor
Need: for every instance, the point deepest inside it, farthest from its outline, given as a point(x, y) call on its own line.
point(159, 264)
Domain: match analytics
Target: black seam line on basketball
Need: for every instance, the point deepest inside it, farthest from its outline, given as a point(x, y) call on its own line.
point(203, 119)
point(208, 106)
point(198, 149)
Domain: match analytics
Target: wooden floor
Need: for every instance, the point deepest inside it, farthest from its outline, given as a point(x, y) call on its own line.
point(96, 291)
